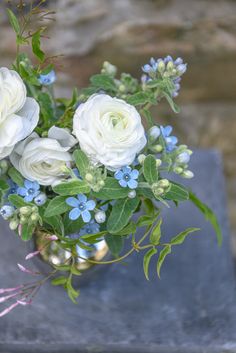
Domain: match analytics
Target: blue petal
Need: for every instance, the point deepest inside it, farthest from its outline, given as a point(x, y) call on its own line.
point(86, 216)
point(132, 184)
point(28, 198)
point(123, 183)
point(35, 185)
point(74, 214)
point(168, 129)
point(21, 191)
point(90, 205)
point(82, 198)
point(126, 169)
point(174, 140)
point(134, 174)
point(118, 175)
point(29, 184)
point(72, 201)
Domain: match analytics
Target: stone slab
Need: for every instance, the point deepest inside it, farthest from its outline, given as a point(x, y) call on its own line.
point(191, 309)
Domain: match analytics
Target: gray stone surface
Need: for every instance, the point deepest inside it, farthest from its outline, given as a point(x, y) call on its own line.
point(191, 309)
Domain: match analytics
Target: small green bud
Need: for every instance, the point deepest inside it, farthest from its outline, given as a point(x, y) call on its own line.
point(158, 162)
point(122, 88)
point(23, 219)
point(101, 183)
point(13, 224)
point(34, 217)
point(187, 174)
point(158, 191)
point(178, 170)
point(25, 210)
point(157, 148)
point(141, 158)
point(164, 183)
point(132, 194)
point(89, 177)
point(170, 66)
point(161, 66)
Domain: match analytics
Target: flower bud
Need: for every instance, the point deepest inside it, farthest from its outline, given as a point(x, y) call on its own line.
point(158, 162)
point(25, 210)
point(13, 224)
point(100, 216)
point(132, 194)
point(141, 158)
point(122, 88)
point(170, 66)
point(3, 167)
point(34, 217)
point(154, 133)
point(89, 177)
point(7, 211)
point(183, 158)
point(178, 170)
point(41, 199)
point(158, 191)
point(187, 174)
point(157, 148)
point(161, 66)
point(101, 183)
point(23, 219)
point(164, 183)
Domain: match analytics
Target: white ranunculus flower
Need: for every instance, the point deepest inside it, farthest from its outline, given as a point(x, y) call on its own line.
point(43, 159)
point(19, 115)
point(109, 131)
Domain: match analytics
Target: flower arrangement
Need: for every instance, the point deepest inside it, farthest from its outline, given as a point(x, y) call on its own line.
point(79, 169)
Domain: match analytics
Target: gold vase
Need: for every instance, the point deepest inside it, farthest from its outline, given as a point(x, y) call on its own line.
point(53, 254)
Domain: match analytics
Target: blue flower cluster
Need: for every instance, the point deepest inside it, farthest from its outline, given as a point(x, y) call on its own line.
point(166, 67)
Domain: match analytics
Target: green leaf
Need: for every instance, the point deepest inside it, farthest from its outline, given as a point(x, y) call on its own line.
point(46, 105)
point(56, 206)
point(56, 223)
point(150, 169)
point(27, 231)
point(111, 190)
point(81, 161)
point(16, 176)
point(146, 220)
point(13, 21)
point(172, 104)
point(93, 238)
point(71, 226)
point(121, 213)
point(146, 261)
point(72, 187)
point(177, 192)
point(179, 239)
point(18, 201)
point(115, 244)
point(155, 235)
point(3, 185)
point(148, 118)
point(59, 281)
point(72, 293)
point(139, 98)
point(209, 215)
point(129, 229)
point(36, 46)
point(103, 81)
point(164, 252)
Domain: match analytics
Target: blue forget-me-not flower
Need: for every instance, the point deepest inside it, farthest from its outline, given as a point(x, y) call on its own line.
point(170, 141)
point(47, 79)
point(90, 228)
point(30, 190)
point(81, 207)
point(127, 177)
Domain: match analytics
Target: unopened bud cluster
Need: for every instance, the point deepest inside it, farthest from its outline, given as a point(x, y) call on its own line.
point(160, 187)
point(95, 177)
point(182, 158)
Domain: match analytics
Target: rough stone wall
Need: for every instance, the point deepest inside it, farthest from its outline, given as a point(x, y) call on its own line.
point(128, 32)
